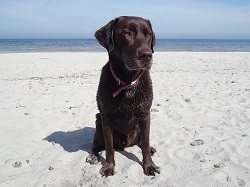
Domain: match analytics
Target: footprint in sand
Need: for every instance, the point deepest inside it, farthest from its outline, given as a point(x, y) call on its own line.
point(215, 114)
point(134, 172)
point(243, 100)
point(239, 182)
point(244, 147)
point(231, 145)
point(187, 154)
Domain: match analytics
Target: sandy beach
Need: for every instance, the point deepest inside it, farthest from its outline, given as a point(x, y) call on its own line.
point(200, 121)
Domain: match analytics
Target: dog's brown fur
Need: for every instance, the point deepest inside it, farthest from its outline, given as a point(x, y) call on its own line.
point(124, 120)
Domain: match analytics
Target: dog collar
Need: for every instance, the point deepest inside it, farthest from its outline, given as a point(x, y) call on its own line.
point(124, 85)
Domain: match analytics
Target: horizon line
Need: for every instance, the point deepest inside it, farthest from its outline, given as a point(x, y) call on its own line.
point(95, 39)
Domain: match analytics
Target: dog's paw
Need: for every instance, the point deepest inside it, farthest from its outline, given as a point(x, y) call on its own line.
point(150, 169)
point(107, 170)
point(92, 159)
point(152, 151)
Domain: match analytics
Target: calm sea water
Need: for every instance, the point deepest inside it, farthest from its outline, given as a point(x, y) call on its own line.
point(91, 45)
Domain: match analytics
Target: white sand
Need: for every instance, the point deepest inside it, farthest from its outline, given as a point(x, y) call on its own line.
point(48, 107)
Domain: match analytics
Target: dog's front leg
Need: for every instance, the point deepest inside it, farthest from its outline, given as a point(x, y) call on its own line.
point(149, 167)
point(108, 169)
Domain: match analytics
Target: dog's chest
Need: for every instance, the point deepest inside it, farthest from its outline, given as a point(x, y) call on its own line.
point(132, 104)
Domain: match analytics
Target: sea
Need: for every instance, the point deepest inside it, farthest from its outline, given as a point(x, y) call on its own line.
point(92, 45)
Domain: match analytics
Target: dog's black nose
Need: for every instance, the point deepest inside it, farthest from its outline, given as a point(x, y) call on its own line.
point(146, 55)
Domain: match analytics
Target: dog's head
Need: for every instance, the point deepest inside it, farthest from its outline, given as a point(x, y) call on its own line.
point(128, 39)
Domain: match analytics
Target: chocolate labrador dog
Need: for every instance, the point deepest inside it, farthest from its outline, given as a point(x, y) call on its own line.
point(125, 93)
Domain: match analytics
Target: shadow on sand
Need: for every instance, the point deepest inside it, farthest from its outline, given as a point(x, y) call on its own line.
point(73, 141)
point(81, 139)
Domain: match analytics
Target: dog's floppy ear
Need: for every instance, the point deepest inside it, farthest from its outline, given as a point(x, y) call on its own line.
point(153, 42)
point(105, 35)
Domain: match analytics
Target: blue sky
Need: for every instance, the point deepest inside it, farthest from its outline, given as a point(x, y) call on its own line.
point(171, 19)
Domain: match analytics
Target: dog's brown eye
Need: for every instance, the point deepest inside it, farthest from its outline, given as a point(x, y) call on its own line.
point(127, 33)
point(149, 34)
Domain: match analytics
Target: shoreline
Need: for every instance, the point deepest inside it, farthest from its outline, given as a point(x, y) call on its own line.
point(88, 45)
point(48, 112)
point(92, 52)
point(155, 52)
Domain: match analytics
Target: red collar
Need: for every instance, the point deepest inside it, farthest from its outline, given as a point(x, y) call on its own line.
point(124, 85)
